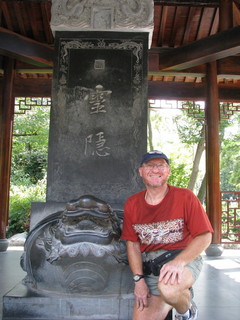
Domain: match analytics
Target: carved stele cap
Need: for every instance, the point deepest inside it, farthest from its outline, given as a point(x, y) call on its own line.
point(103, 15)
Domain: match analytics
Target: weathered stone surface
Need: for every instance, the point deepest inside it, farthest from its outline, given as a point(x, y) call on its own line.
point(98, 127)
point(20, 303)
point(104, 15)
point(77, 250)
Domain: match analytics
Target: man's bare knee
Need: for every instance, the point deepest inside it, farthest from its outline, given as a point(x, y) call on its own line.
point(167, 292)
point(171, 294)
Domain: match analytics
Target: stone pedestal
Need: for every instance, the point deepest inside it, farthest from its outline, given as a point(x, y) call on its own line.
point(21, 303)
point(3, 245)
point(214, 250)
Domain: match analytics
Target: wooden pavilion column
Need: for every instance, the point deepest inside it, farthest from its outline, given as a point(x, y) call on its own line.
point(212, 137)
point(6, 128)
point(213, 151)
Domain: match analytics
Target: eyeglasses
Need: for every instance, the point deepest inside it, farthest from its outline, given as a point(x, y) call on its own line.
point(150, 166)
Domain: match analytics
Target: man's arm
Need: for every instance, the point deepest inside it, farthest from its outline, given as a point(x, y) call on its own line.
point(196, 247)
point(141, 291)
point(171, 272)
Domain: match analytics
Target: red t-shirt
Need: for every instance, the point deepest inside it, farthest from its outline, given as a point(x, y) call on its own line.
point(169, 225)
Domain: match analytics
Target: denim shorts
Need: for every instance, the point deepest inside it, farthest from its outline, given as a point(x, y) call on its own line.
point(195, 267)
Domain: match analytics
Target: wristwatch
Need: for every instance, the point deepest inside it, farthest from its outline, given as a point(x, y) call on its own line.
point(137, 277)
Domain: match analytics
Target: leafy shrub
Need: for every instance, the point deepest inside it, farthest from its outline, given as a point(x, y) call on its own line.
point(21, 198)
point(32, 166)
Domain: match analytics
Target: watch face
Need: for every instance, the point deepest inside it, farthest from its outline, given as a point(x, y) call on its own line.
point(137, 277)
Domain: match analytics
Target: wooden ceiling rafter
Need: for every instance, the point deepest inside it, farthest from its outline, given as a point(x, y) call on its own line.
point(161, 25)
point(215, 22)
point(7, 15)
point(45, 10)
point(182, 21)
point(236, 15)
point(190, 21)
point(20, 18)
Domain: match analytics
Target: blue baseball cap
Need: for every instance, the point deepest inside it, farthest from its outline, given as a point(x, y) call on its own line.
point(153, 155)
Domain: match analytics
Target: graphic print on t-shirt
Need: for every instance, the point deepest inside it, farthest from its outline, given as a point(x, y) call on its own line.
point(160, 232)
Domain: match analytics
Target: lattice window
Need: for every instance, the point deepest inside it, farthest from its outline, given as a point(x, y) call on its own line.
point(228, 109)
point(230, 216)
point(195, 108)
point(24, 104)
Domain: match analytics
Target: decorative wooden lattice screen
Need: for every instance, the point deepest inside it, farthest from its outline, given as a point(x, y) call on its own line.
point(230, 216)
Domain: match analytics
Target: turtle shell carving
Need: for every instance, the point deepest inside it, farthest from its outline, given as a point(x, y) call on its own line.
point(76, 250)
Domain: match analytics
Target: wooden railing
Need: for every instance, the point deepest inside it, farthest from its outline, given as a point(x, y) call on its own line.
point(230, 217)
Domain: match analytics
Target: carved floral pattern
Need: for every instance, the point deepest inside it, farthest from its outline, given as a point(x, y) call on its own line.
point(103, 14)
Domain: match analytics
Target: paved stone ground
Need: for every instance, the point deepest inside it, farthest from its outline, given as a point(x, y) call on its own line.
point(217, 290)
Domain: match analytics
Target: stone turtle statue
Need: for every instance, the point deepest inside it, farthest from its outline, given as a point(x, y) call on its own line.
point(77, 250)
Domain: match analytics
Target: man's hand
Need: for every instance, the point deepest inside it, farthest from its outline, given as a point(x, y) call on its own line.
point(171, 272)
point(141, 294)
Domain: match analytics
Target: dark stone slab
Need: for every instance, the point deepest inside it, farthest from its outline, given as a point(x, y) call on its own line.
point(98, 128)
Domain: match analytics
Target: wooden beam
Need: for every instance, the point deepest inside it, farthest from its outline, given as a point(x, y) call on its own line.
point(32, 87)
point(190, 91)
point(192, 75)
point(229, 67)
point(192, 3)
point(218, 46)
point(25, 49)
point(177, 74)
point(35, 71)
point(175, 90)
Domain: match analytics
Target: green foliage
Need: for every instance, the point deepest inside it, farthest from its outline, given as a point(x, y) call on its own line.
point(180, 174)
point(189, 128)
point(31, 130)
point(230, 156)
point(21, 198)
point(29, 166)
point(30, 146)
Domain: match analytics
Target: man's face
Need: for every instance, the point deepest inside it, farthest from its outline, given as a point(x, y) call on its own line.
point(155, 172)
